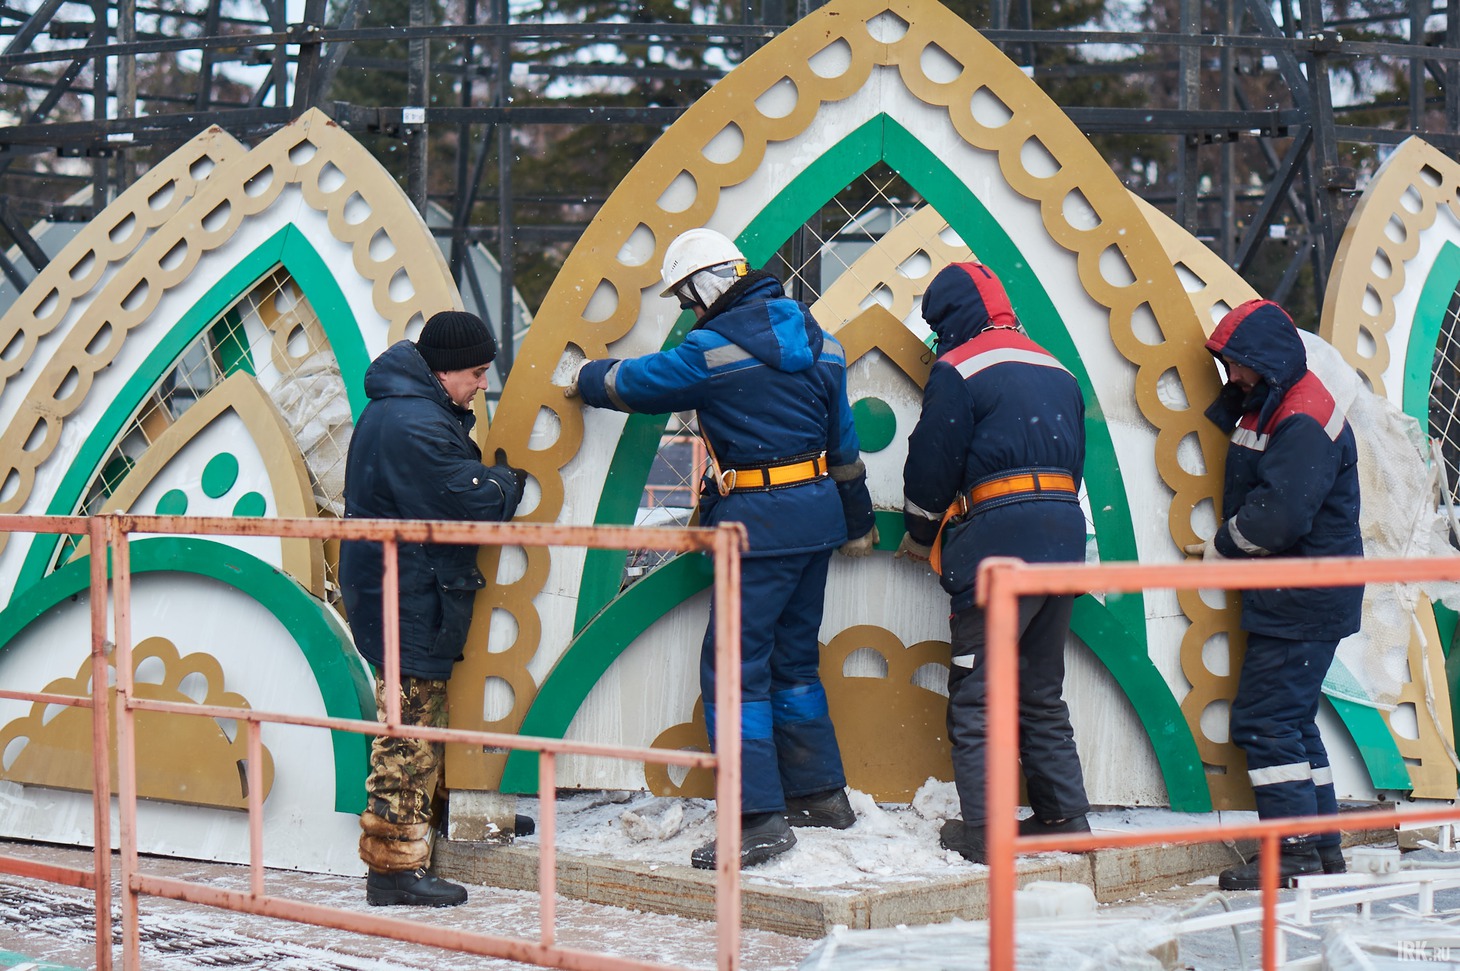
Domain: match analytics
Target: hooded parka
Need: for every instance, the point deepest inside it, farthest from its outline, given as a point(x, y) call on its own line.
point(1292, 481)
point(1000, 414)
point(412, 457)
point(995, 403)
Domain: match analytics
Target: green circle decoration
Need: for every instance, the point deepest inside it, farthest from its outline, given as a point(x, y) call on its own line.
point(219, 474)
point(250, 504)
point(876, 423)
point(174, 502)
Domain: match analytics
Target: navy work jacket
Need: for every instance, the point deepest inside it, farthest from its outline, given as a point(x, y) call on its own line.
point(412, 457)
point(1292, 480)
point(995, 404)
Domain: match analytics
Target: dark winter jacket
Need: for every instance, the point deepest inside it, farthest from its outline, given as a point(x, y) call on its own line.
point(770, 388)
point(995, 404)
point(1292, 482)
point(412, 457)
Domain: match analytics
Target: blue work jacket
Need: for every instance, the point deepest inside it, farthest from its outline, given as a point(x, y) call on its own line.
point(770, 388)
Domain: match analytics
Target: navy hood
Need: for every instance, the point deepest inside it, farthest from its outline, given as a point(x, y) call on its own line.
point(1259, 334)
point(962, 301)
point(757, 315)
point(401, 372)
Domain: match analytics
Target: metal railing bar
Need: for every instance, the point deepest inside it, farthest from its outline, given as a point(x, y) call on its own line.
point(557, 746)
point(404, 930)
point(51, 873)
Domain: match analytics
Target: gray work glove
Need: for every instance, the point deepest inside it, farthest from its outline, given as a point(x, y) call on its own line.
point(1207, 550)
point(571, 391)
point(911, 549)
point(862, 545)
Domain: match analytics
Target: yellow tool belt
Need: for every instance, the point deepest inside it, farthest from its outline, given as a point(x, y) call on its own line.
point(1019, 483)
point(771, 476)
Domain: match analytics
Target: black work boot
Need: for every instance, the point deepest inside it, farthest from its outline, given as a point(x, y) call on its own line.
point(1034, 826)
point(1298, 859)
point(417, 888)
point(966, 841)
point(829, 808)
point(762, 836)
point(1332, 857)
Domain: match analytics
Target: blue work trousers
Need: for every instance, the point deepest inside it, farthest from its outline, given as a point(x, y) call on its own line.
point(788, 745)
point(1274, 722)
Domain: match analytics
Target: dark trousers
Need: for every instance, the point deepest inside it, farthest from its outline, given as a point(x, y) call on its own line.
point(1274, 722)
point(1047, 755)
point(788, 745)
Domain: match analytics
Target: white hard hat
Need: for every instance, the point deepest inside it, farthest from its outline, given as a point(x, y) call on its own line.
point(695, 250)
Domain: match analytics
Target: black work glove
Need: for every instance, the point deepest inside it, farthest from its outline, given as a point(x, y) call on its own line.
point(519, 476)
point(1226, 411)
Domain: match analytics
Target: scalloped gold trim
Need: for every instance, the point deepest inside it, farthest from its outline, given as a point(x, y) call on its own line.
point(181, 758)
point(885, 269)
point(106, 242)
point(1369, 269)
point(363, 206)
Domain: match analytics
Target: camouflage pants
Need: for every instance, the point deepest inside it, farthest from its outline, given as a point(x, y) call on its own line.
point(404, 773)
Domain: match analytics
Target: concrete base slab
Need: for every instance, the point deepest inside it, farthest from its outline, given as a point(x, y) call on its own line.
point(1114, 874)
point(632, 850)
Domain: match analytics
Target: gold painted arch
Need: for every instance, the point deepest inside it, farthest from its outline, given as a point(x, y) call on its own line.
point(711, 168)
point(311, 157)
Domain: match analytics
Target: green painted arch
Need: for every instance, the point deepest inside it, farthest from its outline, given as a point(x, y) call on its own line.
point(1439, 289)
point(618, 625)
point(1424, 332)
point(288, 247)
point(882, 139)
point(1118, 639)
point(323, 641)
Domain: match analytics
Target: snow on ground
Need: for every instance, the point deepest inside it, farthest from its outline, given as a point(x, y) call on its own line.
point(55, 925)
point(890, 843)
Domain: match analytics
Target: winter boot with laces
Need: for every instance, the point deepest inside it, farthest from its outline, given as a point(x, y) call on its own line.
point(417, 888)
point(1296, 858)
point(762, 836)
point(830, 808)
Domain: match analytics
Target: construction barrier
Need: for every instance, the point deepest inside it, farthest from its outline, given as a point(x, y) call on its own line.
point(110, 540)
point(1002, 581)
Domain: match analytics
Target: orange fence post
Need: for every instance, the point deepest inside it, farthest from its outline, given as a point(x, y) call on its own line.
point(727, 745)
point(1001, 753)
point(390, 623)
point(126, 741)
point(547, 855)
point(101, 775)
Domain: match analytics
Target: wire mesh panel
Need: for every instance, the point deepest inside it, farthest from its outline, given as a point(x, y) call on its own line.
point(273, 334)
point(1445, 393)
point(844, 229)
point(671, 493)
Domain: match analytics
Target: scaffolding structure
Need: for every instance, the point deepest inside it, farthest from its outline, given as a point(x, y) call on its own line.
point(1293, 210)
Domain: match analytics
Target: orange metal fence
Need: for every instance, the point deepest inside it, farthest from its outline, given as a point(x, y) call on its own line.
point(1003, 581)
point(112, 533)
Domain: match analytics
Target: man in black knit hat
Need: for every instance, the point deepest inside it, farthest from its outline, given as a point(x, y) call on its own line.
point(412, 457)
